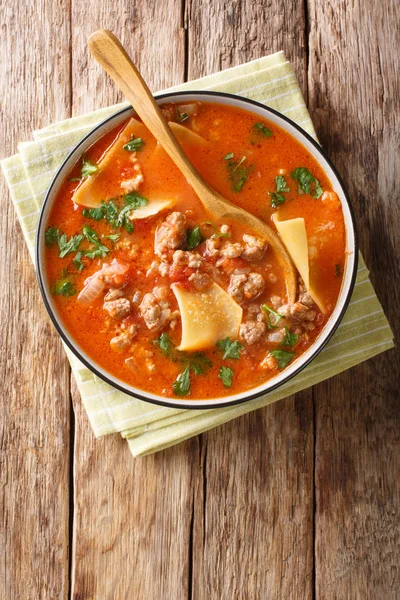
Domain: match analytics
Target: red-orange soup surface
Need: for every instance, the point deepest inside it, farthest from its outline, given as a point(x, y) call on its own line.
point(111, 273)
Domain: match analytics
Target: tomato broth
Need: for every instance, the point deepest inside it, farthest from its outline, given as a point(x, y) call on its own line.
point(116, 276)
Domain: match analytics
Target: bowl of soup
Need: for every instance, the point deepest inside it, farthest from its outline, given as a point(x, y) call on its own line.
point(168, 303)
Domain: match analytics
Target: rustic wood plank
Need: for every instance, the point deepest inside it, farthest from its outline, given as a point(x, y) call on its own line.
point(132, 520)
point(253, 520)
point(34, 374)
point(354, 97)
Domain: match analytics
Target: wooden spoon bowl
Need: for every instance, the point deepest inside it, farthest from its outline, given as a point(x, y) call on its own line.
point(110, 54)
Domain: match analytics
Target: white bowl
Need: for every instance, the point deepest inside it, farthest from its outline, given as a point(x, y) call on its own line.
point(349, 271)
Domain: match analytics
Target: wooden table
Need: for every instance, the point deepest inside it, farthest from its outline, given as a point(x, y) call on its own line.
point(299, 500)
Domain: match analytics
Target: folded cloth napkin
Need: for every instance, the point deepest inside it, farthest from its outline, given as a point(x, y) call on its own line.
point(363, 333)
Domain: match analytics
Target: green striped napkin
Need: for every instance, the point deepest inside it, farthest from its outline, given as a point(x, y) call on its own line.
point(363, 333)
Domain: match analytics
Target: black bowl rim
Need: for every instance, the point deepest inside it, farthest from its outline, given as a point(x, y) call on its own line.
point(189, 404)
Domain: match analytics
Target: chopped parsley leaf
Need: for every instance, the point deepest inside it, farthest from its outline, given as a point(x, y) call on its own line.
point(165, 344)
point(51, 236)
point(231, 349)
point(134, 145)
point(68, 245)
point(290, 338)
point(277, 197)
point(113, 215)
point(94, 213)
point(114, 237)
point(181, 116)
point(270, 311)
point(64, 287)
point(282, 357)
point(308, 184)
point(88, 168)
point(198, 362)
point(193, 238)
point(238, 173)
point(280, 184)
point(262, 129)
point(99, 250)
point(226, 374)
point(181, 385)
point(135, 200)
point(229, 156)
point(77, 261)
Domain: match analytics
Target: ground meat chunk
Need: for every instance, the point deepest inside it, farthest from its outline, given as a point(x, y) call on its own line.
point(113, 294)
point(254, 248)
point(252, 331)
point(118, 309)
point(133, 184)
point(170, 234)
point(232, 250)
point(155, 311)
point(122, 342)
point(297, 312)
point(276, 302)
point(276, 336)
point(186, 259)
point(304, 296)
point(245, 286)
point(269, 363)
point(213, 247)
point(201, 281)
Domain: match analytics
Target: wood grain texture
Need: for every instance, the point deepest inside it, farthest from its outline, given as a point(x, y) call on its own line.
point(354, 97)
point(132, 519)
point(298, 500)
point(35, 400)
point(253, 530)
point(253, 526)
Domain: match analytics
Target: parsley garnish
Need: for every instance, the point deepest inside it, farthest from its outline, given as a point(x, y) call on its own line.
point(193, 238)
point(77, 261)
point(338, 270)
point(181, 385)
point(263, 129)
point(114, 237)
point(68, 245)
point(113, 215)
point(134, 145)
point(51, 236)
point(290, 338)
point(95, 213)
point(229, 156)
point(196, 362)
point(64, 287)
point(88, 168)
point(277, 197)
point(229, 348)
point(181, 116)
point(270, 311)
point(98, 250)
point(238, 173)
point(165, 344)
point(226, 374)
point(282, 357)
point(308, 184)
point(135, 200)
point(54, 235)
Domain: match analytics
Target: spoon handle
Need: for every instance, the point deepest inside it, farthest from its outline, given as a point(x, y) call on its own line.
point(110, 54)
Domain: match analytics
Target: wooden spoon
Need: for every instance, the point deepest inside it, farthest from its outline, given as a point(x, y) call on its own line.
point(110, 54)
